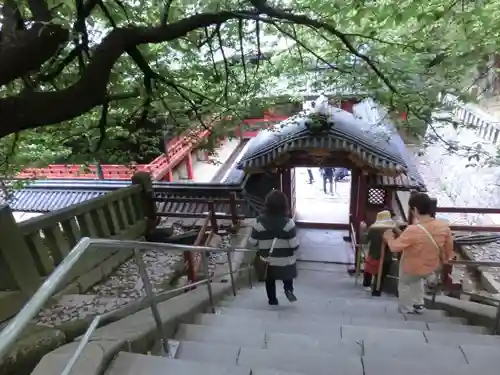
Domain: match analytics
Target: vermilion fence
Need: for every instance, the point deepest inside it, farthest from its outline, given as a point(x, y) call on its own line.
point(178, 149)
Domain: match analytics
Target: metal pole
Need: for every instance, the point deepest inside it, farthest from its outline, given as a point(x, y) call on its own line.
point(231, 274)
point(150, 295)
point(250, 283)
point(496, 327)
point(83, 342)
point(204, 259)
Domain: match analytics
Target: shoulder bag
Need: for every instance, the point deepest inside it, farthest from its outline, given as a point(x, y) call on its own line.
point(261, 263)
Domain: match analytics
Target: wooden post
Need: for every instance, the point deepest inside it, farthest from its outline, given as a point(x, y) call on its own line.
point(148, 204)
point(213, 218)
point(15, 256)
point(361, 206)
point(233, 208)
point(353, 202)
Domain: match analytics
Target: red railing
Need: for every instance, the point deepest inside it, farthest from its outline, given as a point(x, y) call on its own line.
point(178, 149)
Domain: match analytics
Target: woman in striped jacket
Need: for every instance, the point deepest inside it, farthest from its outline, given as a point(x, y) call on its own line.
point(275, 223)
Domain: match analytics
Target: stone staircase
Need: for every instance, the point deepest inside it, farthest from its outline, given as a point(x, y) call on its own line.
point(335, 328)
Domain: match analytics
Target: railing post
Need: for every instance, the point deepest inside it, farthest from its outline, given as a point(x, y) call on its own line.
point(151, 297)
point(213, 218)
point(206, 271)
point(17, 265)
point(233, 208)
point(144, 180)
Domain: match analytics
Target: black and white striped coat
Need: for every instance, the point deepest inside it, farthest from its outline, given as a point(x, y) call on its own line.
point(282, 261)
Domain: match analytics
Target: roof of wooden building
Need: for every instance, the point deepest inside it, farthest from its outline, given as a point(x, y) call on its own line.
point(383, 152)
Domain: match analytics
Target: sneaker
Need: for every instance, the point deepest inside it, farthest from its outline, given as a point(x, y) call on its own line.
point(419, 309)
point(405, 312)
point(367, 288)
point(273, 302)
point(291, 297)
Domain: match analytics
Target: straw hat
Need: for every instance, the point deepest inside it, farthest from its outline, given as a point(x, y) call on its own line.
point(383, 220)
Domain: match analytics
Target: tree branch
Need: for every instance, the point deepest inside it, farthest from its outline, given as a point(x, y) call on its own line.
point(40, 43)
point(30, 110)
point(40, 10)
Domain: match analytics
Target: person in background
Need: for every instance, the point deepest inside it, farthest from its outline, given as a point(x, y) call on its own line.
point(328, 177)
point(275, 223)
point(425, 247)
point(311, 177)
point(373, 237)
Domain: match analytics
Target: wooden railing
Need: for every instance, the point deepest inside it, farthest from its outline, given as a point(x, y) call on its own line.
point(31, 250)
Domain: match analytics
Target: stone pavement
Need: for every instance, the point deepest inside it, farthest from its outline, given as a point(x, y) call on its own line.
point(314, 205)
point(321, 245)
point(205, 171)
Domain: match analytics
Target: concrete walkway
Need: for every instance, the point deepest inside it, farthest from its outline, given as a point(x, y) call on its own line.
point(314, 205)
point(206, 171)
point(326, 246)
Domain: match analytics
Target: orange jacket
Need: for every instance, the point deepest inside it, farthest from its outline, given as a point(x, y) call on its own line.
point(420, 255)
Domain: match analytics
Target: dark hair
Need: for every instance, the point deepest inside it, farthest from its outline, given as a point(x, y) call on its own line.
point(276, 204)
point(422, 202)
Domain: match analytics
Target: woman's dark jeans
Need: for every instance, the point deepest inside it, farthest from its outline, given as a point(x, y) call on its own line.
point(271, 288)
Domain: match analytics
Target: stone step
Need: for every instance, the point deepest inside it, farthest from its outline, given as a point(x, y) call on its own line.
point(436, 356)
point(227, 354)
point(482, 355)
point(325, 309)
point(133, 364)
point(461, 338)
point(252, 337)
point(424, 366)
point(310, 363)
point(296, 324)
point(256, 337)
point(285, 312)
point(237, 336)
point(311, 296)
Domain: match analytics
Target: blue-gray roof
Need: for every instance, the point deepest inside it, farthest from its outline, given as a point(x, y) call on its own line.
point(50, 195)
point(344, 133)
point(370, 112)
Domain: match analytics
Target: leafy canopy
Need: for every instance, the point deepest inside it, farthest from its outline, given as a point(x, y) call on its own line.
point(88, 80)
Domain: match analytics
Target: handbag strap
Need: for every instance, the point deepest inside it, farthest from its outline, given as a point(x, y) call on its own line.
point(438, 248)
point(272, 245)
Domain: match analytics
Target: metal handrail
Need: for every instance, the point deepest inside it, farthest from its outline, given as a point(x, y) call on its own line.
point(10, 334)
point(158, 298)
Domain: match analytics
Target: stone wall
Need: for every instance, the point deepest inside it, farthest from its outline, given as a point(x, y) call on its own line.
point(455, 179)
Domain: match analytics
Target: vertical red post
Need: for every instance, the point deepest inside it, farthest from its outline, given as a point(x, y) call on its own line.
point(353, 204)
point(169, 176)
point(388, 198)
point(213, 218)
point(234, 209)
point(189, 166)
point(362, 197)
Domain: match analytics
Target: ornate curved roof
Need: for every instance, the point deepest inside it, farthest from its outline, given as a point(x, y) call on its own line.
point(330, 129)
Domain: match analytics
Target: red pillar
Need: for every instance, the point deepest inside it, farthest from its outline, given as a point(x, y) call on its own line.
point(353, 204)
point(362, 196)
point(189, 166)
point(169, 176)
